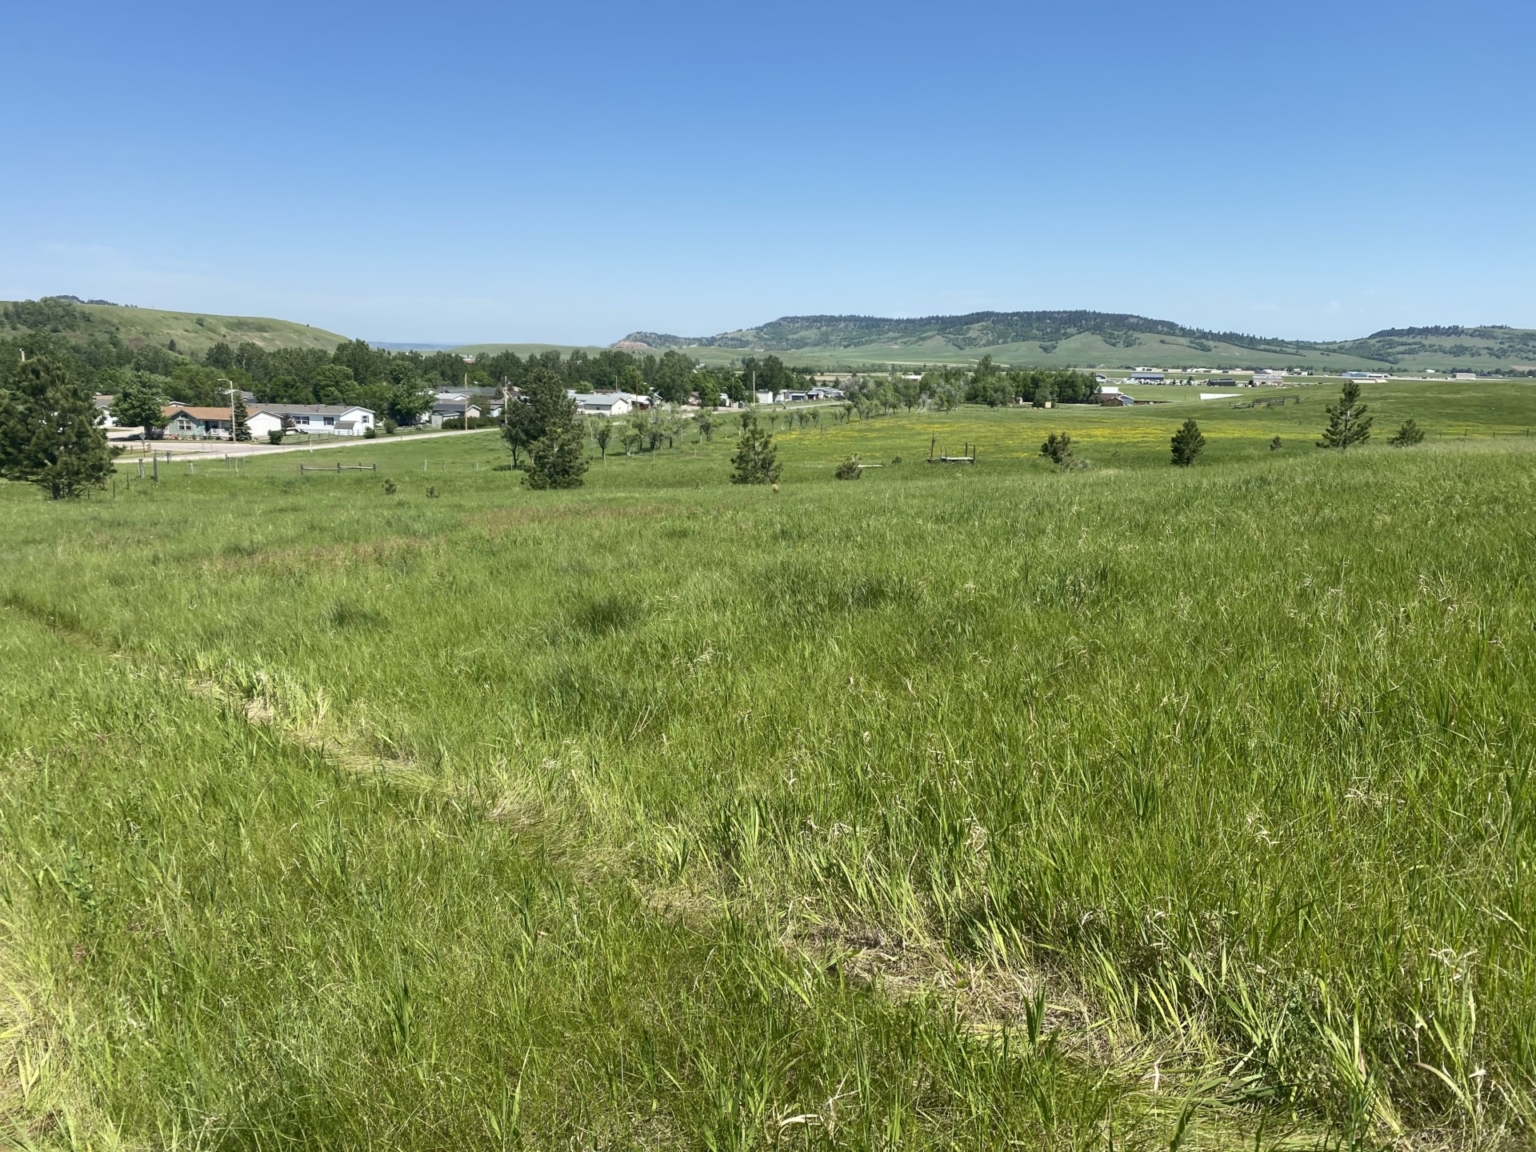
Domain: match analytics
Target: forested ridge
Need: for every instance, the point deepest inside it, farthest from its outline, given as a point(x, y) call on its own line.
point(979, 330)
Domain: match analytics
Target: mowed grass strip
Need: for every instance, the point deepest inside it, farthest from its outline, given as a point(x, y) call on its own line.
point(1234, 759)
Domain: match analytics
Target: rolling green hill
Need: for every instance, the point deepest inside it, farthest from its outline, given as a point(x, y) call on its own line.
point(193, 332)
point(1093, 339)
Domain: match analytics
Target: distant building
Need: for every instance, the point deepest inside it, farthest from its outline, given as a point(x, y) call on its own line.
point(1463, 375)
point(603, 403)
point(104, 409)
point(1146, 376)
point(1265, 376)
point(1112, 397)
point(451, 412)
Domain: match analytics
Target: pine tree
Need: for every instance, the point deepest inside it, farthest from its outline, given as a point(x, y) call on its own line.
point(558, 457)
point(49, 433)
point(1347, 422)
point(1409, 433)
point(241, 428)
point(1058, 450)
point(756, 459)
point(1188, 443)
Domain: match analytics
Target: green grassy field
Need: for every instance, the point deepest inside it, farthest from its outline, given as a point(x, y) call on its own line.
point(955, 807)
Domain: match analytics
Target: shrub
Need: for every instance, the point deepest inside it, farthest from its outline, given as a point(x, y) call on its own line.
point(1274, 445)
point(849, 469)
point(1409, 433)
point(389, 487)
point(275, 436)
point(390, 426)
point(369, 432)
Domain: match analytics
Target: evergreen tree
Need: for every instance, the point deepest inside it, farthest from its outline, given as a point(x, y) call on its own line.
point(756, 459)
point(1188, 443)
point(240, 426)
point(49, 435)
point(1409, 433)
point(1347, 422)
point(1058, 450)
point(558, 457)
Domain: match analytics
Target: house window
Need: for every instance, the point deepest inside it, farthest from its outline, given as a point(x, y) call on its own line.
point(330, 421)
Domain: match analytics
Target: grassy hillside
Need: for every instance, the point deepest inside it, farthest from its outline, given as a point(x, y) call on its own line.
point(1098, 339)
point(954, 807)
point(193, 332)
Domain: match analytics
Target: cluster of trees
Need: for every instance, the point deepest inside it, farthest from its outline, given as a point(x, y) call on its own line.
point(994, 386)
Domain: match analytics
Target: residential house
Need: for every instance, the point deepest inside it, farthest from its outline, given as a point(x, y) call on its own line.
point(451, 413)
point(194, 422)
point(104, 410)
point(319, 419)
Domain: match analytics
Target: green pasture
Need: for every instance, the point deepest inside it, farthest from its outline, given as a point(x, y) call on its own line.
point(958, 806)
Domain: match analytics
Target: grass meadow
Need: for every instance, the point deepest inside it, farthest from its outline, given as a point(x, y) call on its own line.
point(1131, 807)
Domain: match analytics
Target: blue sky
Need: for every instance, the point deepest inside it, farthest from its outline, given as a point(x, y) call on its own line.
point(571, 172)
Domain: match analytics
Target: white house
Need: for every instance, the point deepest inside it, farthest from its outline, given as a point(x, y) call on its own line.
point(104, 409)
point(763, 397)
point(321, 419)
point(262, 421)
point(603, 403)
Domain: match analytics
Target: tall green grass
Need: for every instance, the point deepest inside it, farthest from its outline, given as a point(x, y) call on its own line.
point(950, 806)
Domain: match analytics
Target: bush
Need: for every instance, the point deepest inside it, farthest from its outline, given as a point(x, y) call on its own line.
point(1409, 433)
point(275, 436)
point(390, 427)
point(849, 469)
point(1274, 445)
point(389, 487)
point(369, 433)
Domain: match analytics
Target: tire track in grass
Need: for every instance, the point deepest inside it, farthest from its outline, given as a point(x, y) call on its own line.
point(1165, 1084)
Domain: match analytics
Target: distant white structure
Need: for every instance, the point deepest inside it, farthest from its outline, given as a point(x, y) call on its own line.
point(603, 403)
point(1269, 376)
point(1463, 375)
point(1217, 395)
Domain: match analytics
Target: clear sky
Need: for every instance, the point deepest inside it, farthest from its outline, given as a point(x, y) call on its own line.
point(569, 171)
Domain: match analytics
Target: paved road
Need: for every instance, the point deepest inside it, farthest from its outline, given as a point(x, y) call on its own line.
point(218, 449)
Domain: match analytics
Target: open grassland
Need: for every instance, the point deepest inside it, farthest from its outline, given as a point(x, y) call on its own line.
point(958, 806)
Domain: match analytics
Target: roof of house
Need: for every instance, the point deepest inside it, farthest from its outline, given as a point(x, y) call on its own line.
point(195, 411)
point(311, 409)
point(600, 399)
